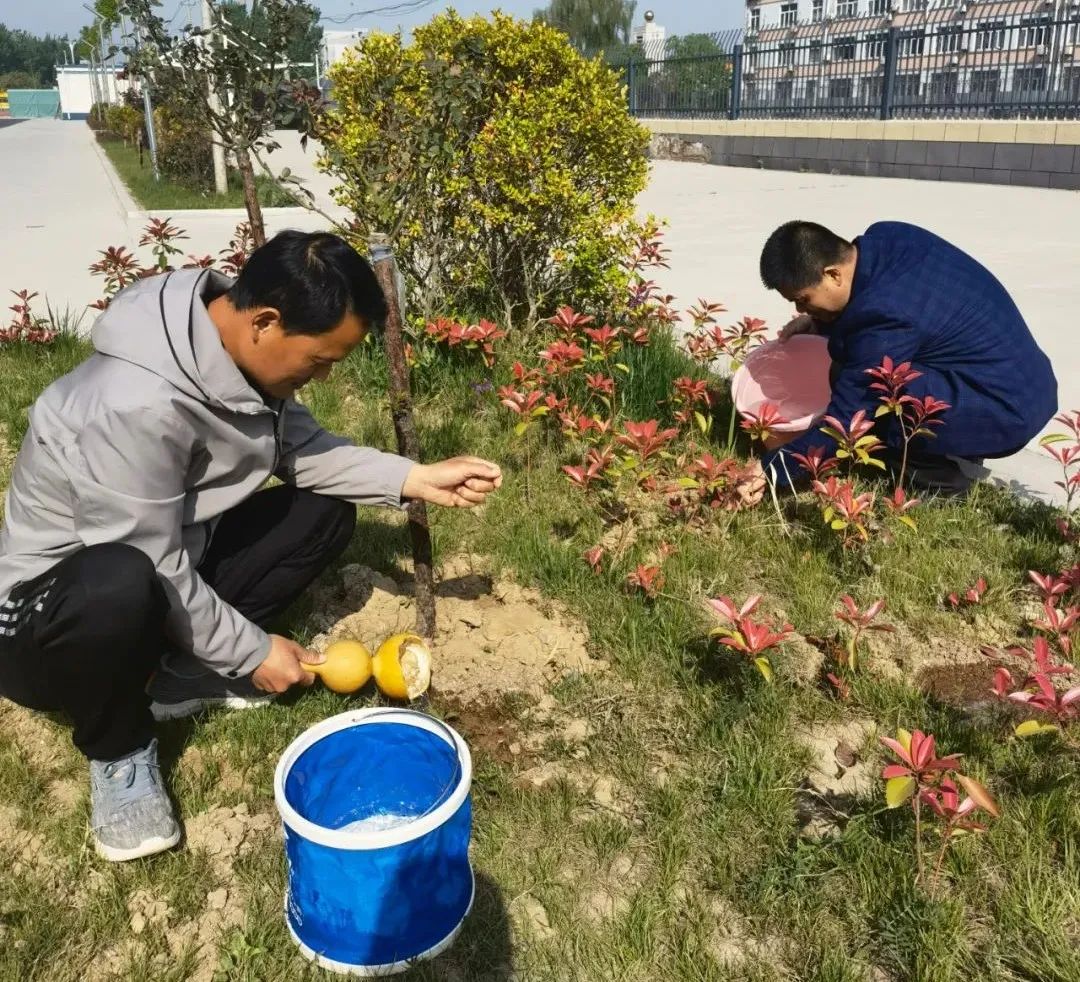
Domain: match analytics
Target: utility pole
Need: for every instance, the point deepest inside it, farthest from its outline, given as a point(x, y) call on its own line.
point(148, 108)
point(220, 177)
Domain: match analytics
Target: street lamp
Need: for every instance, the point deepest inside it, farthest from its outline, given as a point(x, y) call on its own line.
point(99, 18)
point(95, 94)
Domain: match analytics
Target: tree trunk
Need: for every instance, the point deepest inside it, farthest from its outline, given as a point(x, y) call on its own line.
point(405, 430)
point(251, 198)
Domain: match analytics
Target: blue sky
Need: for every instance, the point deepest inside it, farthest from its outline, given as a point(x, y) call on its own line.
point(678, 16)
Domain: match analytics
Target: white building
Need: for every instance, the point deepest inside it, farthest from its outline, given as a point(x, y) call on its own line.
point(650, 36)
point(336, 43)
point(981, 54)
point(81, 86)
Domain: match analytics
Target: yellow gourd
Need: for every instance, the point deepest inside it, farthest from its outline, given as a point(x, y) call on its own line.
point(347, 667)
point(402, 667)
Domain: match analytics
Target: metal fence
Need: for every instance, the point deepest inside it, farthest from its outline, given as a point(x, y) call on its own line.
point(991, 60)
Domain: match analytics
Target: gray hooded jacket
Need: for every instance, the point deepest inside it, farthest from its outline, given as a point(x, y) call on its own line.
point(150, 440)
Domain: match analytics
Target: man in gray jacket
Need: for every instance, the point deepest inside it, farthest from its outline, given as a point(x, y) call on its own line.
point(139, 544)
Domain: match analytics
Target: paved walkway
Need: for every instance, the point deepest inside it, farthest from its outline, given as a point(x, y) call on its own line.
point(62, 203)
point(59, 207)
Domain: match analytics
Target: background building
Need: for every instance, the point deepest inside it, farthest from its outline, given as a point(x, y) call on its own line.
point(984, 58)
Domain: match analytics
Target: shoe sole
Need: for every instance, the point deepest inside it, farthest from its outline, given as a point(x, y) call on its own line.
point(148, 847)
point(162, 711)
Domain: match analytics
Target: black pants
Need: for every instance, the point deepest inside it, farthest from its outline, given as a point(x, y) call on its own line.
point(90, 632)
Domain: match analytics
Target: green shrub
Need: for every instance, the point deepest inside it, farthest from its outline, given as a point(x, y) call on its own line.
point(502, 164)
point(96, 120)
point(124, 122)
point(183, 142)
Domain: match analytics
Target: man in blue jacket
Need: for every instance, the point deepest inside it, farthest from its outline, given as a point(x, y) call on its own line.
point(903, 292)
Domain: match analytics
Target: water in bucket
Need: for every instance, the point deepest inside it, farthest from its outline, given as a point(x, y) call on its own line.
point(377, 816)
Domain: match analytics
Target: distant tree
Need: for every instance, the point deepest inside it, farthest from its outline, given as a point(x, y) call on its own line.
point(593, 26)
point(303, 44)
point(19, 80)
point(34, 57)
point(696, 71)
point(246, 73)
point(93, 34)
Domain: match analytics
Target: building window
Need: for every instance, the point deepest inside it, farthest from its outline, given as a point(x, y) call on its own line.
point(787, 53)
point(847, 8)
point(789, 14)
point(755, 18)
point(871, 90)
point(986, 82)
point(907, 86)
point(840, 88)
point(785, 91)
point(1029, 79)
point(990, 35)
point(879, 7)
point(949, 40)
point(750, 91)
point(875, 44)
point(813, 50)
point(844, 49)
point(811, 90)
point(912, 43)
point(817, 11)
point(910, 5)
point(943, 87)
point(1070, 83)
point(1034, 30)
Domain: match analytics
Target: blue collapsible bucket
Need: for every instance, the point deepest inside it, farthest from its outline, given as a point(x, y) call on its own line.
point(377, 815)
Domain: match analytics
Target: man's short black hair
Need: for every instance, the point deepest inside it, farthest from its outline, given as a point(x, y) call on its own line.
point(313, 279)
point(797, 253)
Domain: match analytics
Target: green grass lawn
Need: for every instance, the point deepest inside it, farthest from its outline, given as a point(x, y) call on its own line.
point(704, 869)
point(166, 193)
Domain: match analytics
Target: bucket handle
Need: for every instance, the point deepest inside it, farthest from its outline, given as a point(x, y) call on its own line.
point(451, 739)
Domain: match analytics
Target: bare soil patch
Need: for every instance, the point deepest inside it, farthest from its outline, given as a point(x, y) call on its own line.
point(493, 636)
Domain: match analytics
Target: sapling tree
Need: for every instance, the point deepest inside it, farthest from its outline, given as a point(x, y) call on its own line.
point(239, 81)
point(924, 778)
point(859, 621)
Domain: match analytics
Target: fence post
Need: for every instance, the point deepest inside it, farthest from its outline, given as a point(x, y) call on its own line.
point(736, 81)
point(888, 83)
point(631, 82)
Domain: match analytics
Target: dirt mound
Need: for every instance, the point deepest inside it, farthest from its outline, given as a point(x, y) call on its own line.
point(224, 834)
point(492, 635)
point(840, 772)
point(41, 742)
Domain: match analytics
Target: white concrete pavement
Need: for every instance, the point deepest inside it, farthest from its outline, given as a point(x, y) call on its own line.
point(62, 203)
point(59, 207)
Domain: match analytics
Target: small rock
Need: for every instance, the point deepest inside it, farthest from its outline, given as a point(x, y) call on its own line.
point(575, 731)
point(604, 792)
point(515, 748)
point(217, 899)
point(535, 916)
point(845, 754)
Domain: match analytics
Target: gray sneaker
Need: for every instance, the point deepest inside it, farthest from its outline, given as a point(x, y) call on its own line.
point(131, 814)
point(183, 686)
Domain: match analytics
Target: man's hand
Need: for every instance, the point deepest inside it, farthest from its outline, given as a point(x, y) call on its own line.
point(459, 482)
point(284, 666)
point(803, 324)
point(752, 490)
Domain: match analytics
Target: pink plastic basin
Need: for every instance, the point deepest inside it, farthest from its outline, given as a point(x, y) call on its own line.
point(793, 375)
